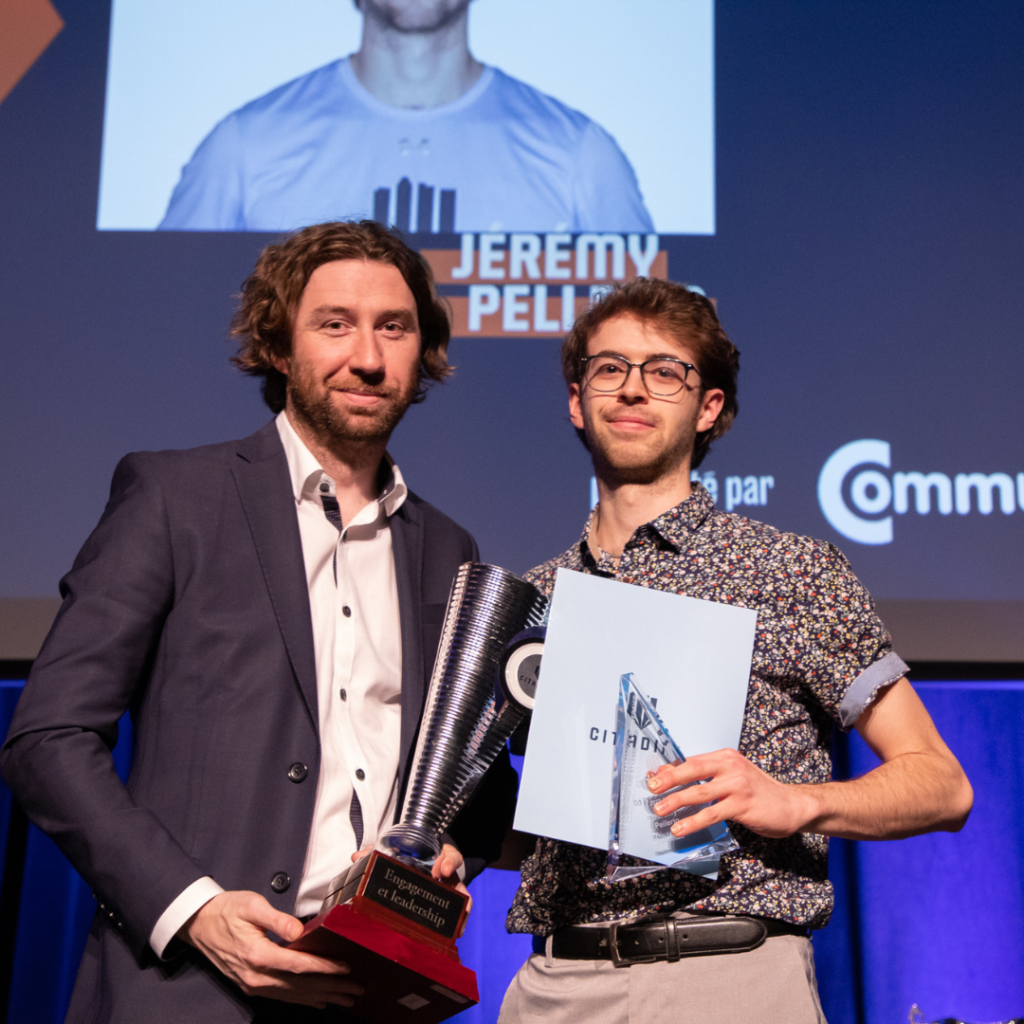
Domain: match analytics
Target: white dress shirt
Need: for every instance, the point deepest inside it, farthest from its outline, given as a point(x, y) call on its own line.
point(357, 641)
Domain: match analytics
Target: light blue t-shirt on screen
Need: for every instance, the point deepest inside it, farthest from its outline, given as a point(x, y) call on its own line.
point(502, 157)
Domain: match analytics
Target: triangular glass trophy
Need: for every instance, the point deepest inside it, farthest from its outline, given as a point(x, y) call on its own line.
point(642, 746)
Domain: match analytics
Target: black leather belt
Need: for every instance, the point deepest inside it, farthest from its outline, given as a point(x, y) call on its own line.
point(663, 937)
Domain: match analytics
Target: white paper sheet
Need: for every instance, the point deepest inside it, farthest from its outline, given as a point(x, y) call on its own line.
point(691, 656)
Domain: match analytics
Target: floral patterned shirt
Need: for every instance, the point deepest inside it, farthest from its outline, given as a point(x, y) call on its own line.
point(821, 656)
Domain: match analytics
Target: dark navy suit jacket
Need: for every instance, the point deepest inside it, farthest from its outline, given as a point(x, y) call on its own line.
point(188, 606)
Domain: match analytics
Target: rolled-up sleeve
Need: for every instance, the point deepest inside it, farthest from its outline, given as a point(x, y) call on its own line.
point(867, 686)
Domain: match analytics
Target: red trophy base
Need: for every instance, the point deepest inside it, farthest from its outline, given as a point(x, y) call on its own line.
point(396, 927)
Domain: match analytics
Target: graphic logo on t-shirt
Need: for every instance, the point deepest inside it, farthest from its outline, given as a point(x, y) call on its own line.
point(433, 206)
point(871, 492)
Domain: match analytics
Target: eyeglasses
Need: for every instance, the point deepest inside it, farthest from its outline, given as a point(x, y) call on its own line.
point(663, 376)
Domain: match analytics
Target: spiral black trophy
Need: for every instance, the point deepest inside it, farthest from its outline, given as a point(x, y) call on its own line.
point(386, 916)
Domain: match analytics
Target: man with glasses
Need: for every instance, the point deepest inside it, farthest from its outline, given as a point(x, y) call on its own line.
point(652, 382)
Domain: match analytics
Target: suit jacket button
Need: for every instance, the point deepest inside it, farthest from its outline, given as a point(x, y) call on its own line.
point(298, 772)
point(280, 882)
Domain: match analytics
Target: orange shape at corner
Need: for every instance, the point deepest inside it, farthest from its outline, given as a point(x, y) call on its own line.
point(27, 27)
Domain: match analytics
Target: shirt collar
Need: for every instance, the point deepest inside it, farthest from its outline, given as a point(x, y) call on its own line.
point(678, 524)
point(675, 526)
point(306, 473)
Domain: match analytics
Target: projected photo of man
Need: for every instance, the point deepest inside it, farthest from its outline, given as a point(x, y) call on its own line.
point(411, 130)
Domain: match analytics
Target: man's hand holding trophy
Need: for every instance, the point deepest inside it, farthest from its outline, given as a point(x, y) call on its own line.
point(394, 915)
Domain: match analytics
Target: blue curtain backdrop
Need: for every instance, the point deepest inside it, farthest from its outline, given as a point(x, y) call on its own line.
point(937, 920)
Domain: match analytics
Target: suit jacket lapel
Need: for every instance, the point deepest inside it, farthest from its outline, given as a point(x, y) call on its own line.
point(265, 489)
point(407, 546)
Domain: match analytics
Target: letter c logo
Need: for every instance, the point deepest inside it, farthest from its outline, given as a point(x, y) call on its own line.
point(830, 491)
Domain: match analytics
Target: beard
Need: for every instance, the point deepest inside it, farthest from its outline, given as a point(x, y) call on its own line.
point(621, 461)
point(337, 428)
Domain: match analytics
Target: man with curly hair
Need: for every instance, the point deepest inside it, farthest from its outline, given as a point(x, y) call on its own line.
point(652, 383)
point(269, 611)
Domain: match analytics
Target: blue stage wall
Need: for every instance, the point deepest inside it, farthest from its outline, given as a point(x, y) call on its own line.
point(937, 920)
point(942, 916)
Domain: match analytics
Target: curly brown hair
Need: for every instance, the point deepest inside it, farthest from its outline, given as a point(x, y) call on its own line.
point(271, 294)
point(686, 316)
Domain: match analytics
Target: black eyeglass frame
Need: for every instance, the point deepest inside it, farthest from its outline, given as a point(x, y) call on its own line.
point(622, 359)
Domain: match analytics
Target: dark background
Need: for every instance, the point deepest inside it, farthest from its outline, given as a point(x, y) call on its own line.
point(867, 262)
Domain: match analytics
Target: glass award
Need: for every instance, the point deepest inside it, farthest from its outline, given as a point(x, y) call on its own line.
point(642, 746)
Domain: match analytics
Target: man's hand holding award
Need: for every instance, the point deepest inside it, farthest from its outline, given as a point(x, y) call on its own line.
point(634, 679)
point(386, 916)
point(622, 667)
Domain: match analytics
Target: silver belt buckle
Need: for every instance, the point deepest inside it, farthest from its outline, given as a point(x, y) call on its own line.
point(613, 947)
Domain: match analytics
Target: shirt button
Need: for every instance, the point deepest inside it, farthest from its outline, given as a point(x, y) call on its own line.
point(360, 774)
point(280, 882)
point(298, 772)
point(347, 612)
point(344, 693)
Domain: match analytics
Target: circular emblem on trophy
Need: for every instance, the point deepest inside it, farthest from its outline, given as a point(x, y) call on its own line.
point(520, 669)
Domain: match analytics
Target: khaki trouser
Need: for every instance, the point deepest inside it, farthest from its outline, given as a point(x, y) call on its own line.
point(773, 984)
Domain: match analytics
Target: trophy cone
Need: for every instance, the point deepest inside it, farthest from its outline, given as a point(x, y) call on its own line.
point(463, 729)
point(386, 916)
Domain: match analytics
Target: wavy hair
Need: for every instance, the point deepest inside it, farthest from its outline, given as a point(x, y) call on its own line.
point(687, 317)
point(272, 292)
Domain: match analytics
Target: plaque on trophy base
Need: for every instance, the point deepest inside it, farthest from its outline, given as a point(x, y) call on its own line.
point(395, 927)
